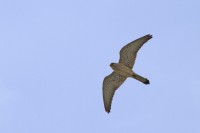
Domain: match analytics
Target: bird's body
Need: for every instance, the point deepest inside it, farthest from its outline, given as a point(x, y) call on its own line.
point(123, 70)
point(127, 72)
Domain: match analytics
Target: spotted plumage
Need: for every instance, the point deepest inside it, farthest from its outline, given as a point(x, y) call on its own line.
point(123, 70)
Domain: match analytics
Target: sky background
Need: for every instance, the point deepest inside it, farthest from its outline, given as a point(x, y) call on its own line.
point(54, 55)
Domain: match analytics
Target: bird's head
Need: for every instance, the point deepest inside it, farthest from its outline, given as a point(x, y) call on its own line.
point(112, 65)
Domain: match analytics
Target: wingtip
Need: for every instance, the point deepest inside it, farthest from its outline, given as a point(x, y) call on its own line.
point(149, 36)
point(108, 111)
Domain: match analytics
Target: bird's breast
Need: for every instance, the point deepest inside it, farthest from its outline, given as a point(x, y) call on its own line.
point(123, 70)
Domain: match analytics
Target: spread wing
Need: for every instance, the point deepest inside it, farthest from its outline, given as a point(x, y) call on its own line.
point(128, 53)
point(110, 84)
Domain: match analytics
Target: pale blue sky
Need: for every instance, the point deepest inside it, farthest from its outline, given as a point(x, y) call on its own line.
point(55, 54)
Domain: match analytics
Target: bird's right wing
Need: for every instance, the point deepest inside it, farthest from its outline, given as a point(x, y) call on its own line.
point(128, 53)
point(110, 84)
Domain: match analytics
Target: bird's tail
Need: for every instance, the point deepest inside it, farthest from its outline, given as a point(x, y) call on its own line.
point(141, 79)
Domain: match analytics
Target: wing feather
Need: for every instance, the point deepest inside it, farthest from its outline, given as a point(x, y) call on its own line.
point(110, 84)
point(129, 52)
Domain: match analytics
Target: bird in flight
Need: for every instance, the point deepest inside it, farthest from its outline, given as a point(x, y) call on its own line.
point(123, 70)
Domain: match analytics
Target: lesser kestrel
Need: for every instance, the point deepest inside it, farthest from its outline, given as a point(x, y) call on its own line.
point(123, 70)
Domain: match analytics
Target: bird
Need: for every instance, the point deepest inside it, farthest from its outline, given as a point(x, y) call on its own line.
point(122, 70)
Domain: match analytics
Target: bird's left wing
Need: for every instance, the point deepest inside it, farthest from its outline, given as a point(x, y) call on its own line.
point(110, 84)
point(128, 53)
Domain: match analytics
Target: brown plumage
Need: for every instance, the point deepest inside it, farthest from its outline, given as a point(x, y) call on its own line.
point(123, 70)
